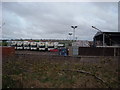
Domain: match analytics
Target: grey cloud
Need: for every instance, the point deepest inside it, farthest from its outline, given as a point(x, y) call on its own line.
point(53, 20)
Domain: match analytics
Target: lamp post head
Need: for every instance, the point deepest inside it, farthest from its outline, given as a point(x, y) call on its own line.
point(74, 27)
point(70, 33)
point(96, 28)
point(93, 27)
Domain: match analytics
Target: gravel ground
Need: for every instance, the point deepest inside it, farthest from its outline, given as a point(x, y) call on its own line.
point(35, 52)
point(56, 56)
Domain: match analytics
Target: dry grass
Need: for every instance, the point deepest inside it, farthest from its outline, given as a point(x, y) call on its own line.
point(34, 71)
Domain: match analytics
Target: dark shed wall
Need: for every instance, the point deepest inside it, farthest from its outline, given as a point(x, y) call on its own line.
point(98, 51)
point(111, 38)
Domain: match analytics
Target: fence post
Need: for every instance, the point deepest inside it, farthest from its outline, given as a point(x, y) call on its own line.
point(114, 51)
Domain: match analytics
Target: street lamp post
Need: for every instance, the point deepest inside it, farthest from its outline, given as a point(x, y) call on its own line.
point(96, 28)
point(73, 31)
point(102, 33)
point(70, 35)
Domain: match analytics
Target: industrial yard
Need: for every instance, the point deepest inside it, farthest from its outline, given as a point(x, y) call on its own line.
point(52, 64)
point(59, 45)
point(34, 69)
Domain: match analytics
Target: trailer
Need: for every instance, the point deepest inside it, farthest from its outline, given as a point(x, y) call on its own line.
point(50, 45)
point(19, 45)
point(56, 45)
point(14, 44)
point(61, 45)
point(33, 45)
point(41, 46)
point(26, 45)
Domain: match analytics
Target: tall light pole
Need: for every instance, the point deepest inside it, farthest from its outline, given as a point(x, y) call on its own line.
point(70, 33)
point(102, 33)
point(73, 31)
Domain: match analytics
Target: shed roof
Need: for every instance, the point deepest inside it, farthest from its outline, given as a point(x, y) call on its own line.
point(107, 33)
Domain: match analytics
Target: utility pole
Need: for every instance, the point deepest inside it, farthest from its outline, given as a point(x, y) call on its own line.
point(73, 31)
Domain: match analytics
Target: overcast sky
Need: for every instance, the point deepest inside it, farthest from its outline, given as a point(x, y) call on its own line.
point(49, 20)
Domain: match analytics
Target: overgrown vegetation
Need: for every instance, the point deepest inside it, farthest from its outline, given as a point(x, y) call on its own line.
point(47, 72)
point(3, 43)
